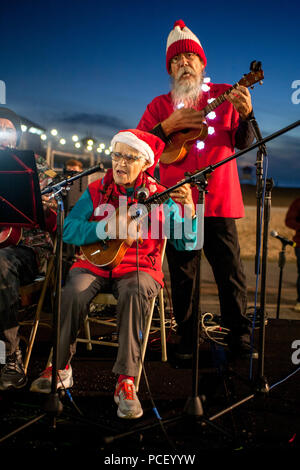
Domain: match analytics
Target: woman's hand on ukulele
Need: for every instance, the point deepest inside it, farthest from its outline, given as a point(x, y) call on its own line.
point(183, 195)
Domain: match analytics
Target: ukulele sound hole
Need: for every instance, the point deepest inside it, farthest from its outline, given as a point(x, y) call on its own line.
point(185, 131)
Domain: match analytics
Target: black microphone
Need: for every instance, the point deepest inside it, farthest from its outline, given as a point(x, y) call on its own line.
point(142, 195)
point(282, 239)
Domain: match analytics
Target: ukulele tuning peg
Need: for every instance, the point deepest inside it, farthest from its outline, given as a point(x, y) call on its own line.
point(252, 87)
point(261, 82)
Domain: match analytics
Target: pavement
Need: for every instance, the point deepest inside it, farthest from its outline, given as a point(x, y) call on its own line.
point(89, 426)
point(288, 296)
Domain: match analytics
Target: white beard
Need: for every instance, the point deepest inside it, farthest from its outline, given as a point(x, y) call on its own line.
point(187, 92)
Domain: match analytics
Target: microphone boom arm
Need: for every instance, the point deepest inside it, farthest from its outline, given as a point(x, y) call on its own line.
point(200, 176)
point(66, 182)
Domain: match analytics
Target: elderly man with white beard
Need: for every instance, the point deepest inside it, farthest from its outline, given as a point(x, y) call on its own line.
point(229, 127)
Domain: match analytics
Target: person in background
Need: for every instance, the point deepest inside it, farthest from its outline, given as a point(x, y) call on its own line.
point(292, 220)
point(74, 165)
point(21, 263)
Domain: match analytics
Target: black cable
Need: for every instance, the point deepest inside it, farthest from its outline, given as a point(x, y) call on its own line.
point(68, 393)
point(154, 408)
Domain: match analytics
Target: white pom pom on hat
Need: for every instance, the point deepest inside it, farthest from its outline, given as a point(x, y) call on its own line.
point(150, 146)
point(181, 39)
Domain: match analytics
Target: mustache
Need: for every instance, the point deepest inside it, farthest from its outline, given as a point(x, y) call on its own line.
point(185, 69)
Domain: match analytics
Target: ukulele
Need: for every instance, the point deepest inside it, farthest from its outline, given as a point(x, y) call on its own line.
point(108, 254)
point(10, 236)
point(181, 142)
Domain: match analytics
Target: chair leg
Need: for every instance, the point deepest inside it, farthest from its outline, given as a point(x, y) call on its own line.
point(37, 316)
point(162, 326)
point(87, 330)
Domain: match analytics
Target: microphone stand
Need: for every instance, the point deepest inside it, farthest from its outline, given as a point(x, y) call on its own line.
point(261, 153)
point(193, 404)
point(261, 264)
point(54, 405)
point(262, 385)
point(281, 263)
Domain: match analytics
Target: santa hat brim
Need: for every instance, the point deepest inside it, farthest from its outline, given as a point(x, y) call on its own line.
point(133, 141)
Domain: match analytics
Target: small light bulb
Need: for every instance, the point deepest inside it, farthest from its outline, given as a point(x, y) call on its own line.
point(43, 137)
point(78, 145)
point(75, 138)
point(62, 141)
point(54, 132)
point(211, 115)
point(23, 128)
point(89, 147)
point(200, 145)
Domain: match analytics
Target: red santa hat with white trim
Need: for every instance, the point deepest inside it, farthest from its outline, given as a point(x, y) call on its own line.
point(150, 146)
point(181, 39)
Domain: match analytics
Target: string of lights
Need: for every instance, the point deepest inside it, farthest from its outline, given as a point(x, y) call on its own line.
point(88, 144)
point(210, 116)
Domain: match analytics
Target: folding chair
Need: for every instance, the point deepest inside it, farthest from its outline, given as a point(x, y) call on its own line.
point(109, 299)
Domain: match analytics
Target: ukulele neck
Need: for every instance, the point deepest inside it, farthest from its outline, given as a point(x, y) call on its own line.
point(217, 101)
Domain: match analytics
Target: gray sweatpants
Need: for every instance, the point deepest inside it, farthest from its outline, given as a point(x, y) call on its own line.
point(18, 267)
point(81, 287)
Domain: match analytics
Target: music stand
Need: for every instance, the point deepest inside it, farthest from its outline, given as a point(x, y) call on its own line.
point(20, 195)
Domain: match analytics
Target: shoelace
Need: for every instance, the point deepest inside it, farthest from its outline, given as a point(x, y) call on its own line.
point(13, 364)
point(47, 373)
point(127, 391)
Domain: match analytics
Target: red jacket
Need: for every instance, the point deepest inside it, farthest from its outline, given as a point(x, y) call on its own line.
point(224, 198)
point(292, 219)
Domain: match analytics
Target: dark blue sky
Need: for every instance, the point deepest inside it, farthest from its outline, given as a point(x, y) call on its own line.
point(89, 67)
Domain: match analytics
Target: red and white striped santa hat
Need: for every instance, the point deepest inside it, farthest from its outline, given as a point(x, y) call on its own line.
point(181, 39)
point(150, 146)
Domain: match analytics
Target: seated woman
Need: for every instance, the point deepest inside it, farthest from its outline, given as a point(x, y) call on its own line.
point(133, 152)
